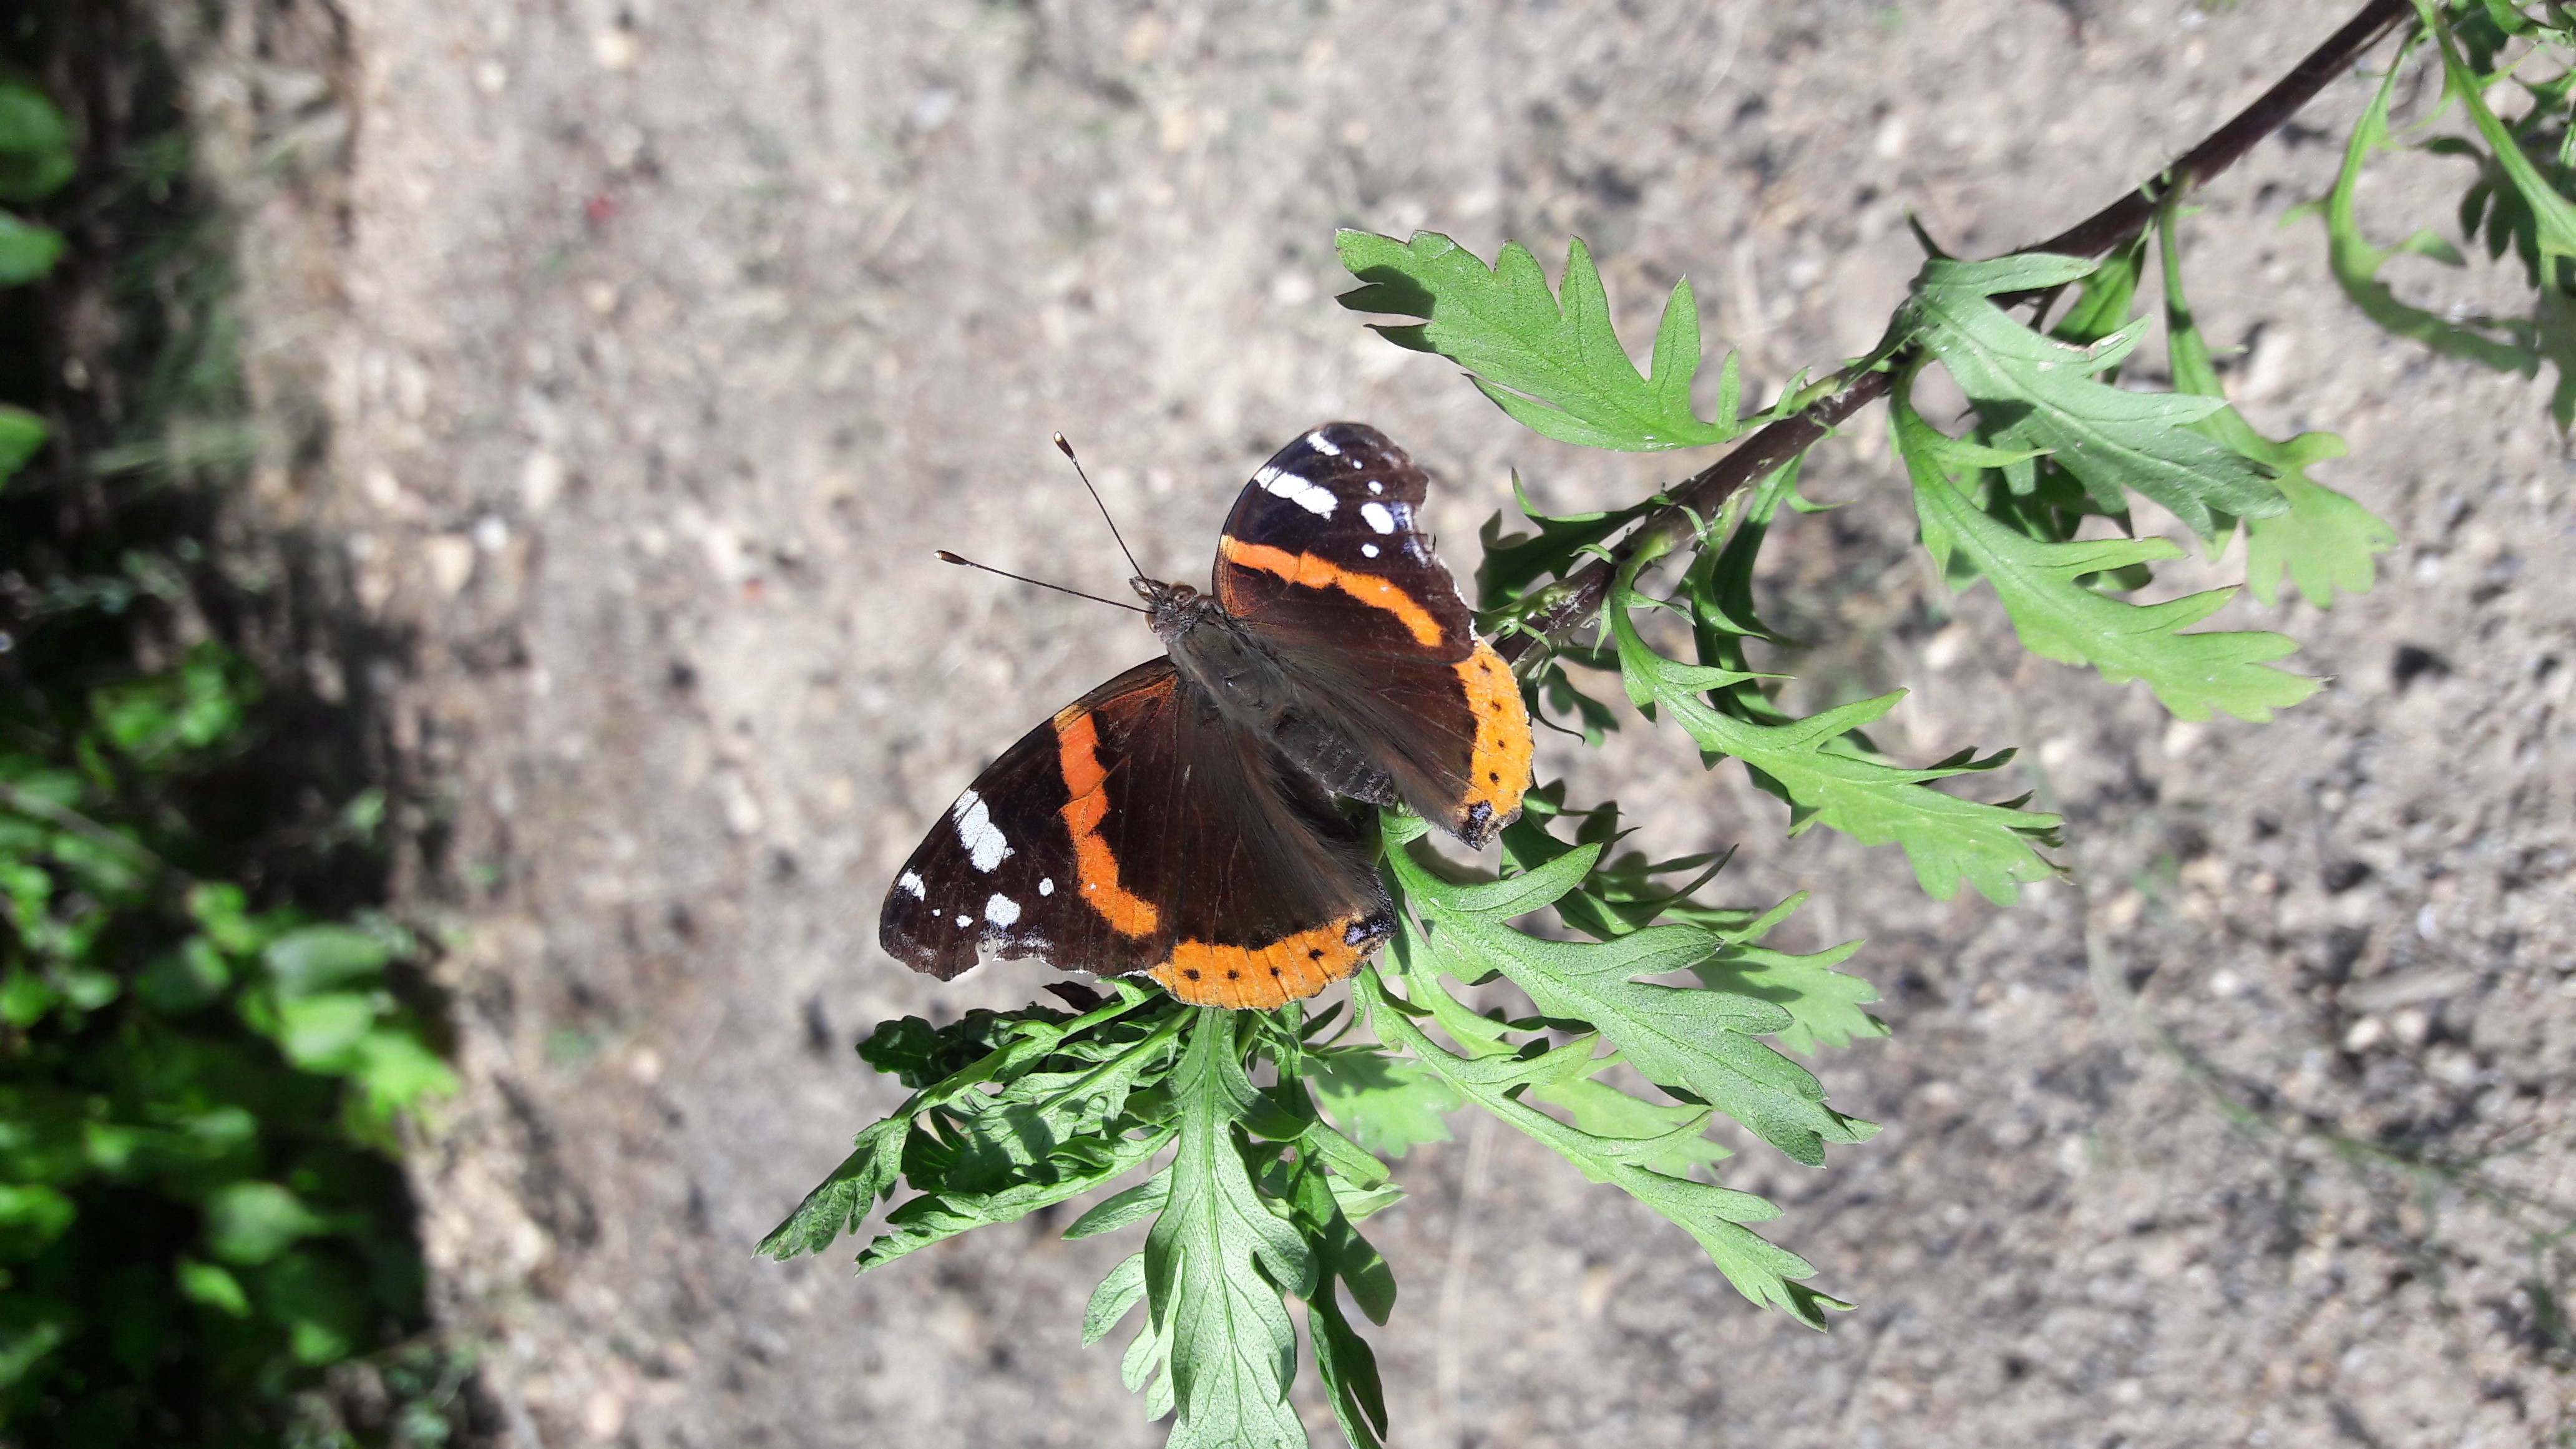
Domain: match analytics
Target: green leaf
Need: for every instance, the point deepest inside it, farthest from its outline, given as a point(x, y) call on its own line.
point(222, 910)
point(2326, 541)
point(1010, 1136)
point(1117, 1295)
point(1216, 1263)
point(2553, 215)
point(1713, 1216)
point(2033, 391)
point(1512, 564)
point(1547, 684)
point(1343, 1360)
point(1338, 1247)
point(1348, 1367)
point(1824, 1005)
point(180, 981)
point(35, 143)
point(1073, 1169)
point(1699, 1040)
point(322, 1302)
point(27, 251)
point(1010, 1132)
point(22, 434)
point(2057, 618)
point(2356, 263)
point(2108, 294)
point(1601, 1110)
point(395, 1070)
point(24, 1344)
point(321, 1033)
point(252, 1222)
point(32, 1215)
point(322, 958)
point(840, 1202)
point(1144, 1200)
point(1808, 764)
point(212, 1286)
point(1722, 582)
point(1553, 363)
point(1387, 1104)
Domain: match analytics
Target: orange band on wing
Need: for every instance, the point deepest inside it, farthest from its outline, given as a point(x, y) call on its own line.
point(1314, 573)
point(1095, 867)
point(1256, 978)
point(1501, 772)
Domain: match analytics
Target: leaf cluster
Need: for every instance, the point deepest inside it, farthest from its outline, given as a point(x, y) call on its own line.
point(2521, 193)
point(1599, 1006)
point(1258, 1199)
point(197, 1094)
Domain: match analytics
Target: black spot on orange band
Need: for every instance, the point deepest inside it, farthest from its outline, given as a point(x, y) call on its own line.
point(1499, 772)
point(1257, 978)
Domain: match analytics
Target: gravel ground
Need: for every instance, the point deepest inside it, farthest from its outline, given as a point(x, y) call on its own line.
point(648, 349)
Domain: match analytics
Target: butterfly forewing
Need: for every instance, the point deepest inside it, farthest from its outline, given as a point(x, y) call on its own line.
point(1325, 548)
point(998, 869)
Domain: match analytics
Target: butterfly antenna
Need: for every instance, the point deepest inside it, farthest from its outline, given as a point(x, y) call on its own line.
point(946, 557)
point(1066, 448)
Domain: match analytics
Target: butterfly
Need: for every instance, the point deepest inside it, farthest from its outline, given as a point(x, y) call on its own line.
point(1179, 821)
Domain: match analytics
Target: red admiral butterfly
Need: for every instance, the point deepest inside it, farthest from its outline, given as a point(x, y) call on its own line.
point(1179, 820)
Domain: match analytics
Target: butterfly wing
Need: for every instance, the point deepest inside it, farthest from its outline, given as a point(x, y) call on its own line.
point(1324, 559)
point(1139, 831)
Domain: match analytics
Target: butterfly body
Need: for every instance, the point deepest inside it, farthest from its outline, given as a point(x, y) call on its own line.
point(1179, 821)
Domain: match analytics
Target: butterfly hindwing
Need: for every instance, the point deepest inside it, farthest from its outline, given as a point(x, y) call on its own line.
point(1325, 560)
point(1139, 831)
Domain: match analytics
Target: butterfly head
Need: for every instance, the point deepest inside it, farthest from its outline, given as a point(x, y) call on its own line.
point(1174, 609)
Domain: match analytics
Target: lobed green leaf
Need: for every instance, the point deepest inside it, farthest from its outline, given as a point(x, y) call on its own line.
point(2058, 618)
point(1713, 1216)
point(1699, 1040)
point(2356, 263)
point(1552, 361)
point(1075, 1168)
point(1807, 764)
point(1231, 1350)
point(2326, 541)
point(2035, 392)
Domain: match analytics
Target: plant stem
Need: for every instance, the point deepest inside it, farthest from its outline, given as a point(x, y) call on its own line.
point(1578, 598)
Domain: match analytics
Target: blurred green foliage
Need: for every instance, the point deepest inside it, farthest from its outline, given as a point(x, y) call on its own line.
point(202, 1212)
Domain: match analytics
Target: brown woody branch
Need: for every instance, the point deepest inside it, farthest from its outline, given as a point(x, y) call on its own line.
point(1578, 597)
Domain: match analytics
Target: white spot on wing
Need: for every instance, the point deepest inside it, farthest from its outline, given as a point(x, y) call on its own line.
point(1313, 497)
point(1377, 516)
point(1001, 910)
point(1268, 472)
point(1046, 885)
point(965, 920)
point(1376, 487)
point(977, 832)
point(1368, 550)
point(1321, 444)
point(912, 886)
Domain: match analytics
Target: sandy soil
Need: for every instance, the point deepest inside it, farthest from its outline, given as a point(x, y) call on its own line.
point(659, 343)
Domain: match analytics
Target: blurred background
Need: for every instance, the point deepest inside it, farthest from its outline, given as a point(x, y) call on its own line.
point(579, 391)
